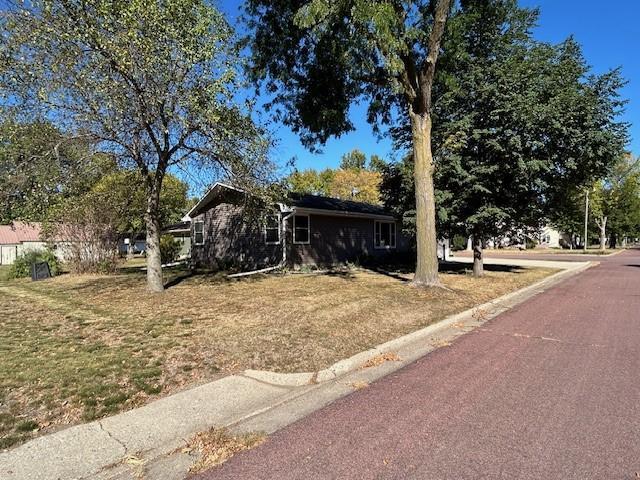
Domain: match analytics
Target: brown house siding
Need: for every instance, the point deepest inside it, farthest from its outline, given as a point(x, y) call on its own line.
point(335, 239)
point(234, 239)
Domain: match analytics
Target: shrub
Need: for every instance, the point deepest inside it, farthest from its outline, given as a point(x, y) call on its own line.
point(22, 265)
point(86, 230)
point(459, 242)
point(169, 248)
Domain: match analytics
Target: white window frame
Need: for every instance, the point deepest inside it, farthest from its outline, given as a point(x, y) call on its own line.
point(195, 234)
point(296, 242)
point(393, 239)
point(279, 227)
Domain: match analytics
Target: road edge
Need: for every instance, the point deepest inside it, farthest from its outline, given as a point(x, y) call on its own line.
point(348, 365)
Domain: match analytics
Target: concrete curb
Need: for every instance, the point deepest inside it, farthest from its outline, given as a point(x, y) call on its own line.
point(488, 309)
point(257, 401)
point(487, 255)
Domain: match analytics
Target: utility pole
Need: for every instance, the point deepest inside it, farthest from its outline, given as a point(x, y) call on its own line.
point(586, 221)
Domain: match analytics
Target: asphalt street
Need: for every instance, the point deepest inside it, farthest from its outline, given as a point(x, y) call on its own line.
point(548, 390)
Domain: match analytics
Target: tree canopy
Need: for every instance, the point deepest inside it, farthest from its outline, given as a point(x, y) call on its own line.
point(614, 205)
point(352, 181)
point(318, 57)
point(518, 122)
point(40, 167)
point(151, 82)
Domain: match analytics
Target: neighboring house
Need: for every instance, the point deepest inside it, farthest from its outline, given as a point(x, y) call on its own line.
point(18, 238)
point(305, 230)
point(549, 237)
point(181, 232)
point(136, 242)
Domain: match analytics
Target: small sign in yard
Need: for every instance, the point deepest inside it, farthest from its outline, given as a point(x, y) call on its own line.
point(40, 271)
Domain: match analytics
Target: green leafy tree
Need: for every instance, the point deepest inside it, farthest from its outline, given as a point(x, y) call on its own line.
point(614, 205)
point(567, 212)
point(151, 82)
point(600, 205)
point(319, 57)
point(624, 216)
point(116, 205)
point(354, 160)
point(519, 123)
point(40, 167)
point(377, 163)
point(310, 181)
point(614, 202)
point(122, 191)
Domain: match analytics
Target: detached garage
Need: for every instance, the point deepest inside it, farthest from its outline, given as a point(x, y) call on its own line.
point(17, 238)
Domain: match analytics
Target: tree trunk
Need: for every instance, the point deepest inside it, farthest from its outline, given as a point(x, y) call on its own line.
point(478, 266)
point(613, 240)
point(602, 225)
point(427, 263)
point(155, 282)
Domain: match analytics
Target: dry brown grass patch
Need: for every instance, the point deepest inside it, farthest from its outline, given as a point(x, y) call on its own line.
point(380, 359)
point(217, 445)
point(80, 347)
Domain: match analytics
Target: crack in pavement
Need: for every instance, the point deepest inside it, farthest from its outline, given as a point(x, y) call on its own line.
point(540, 337)
point(121, 443)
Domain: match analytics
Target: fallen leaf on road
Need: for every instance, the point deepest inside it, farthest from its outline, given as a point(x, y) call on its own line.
point(359, 385)
point(133, 460)
point(441, 343)
point(480, 314)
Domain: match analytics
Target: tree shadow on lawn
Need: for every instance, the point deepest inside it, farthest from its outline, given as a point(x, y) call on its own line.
point(401, 272)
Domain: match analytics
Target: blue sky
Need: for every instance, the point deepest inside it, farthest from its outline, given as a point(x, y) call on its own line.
point(609, 35)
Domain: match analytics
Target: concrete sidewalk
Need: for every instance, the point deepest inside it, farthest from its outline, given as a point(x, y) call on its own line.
point(256, 401)
point(547, 390)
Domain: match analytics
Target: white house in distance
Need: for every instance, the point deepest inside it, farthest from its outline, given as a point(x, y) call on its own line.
point(552, 238)
point(17, 238)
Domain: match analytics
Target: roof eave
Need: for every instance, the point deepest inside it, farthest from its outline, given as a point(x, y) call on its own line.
point(208, 196)
point(344, 213)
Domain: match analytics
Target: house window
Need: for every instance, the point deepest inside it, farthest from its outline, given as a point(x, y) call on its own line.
point(272, 229)
point(198, 233)
point(301, 229)
point(385, 234)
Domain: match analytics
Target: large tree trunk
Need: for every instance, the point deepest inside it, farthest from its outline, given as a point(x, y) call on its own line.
point(602, 225)
point(427, 263)
point(478, 264)
point(154, 260)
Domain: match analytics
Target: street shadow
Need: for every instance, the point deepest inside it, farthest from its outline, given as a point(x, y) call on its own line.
point(632, 265)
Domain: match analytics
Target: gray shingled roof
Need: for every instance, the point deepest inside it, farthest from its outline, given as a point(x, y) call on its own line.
point(334, 204)
point(315, 202)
